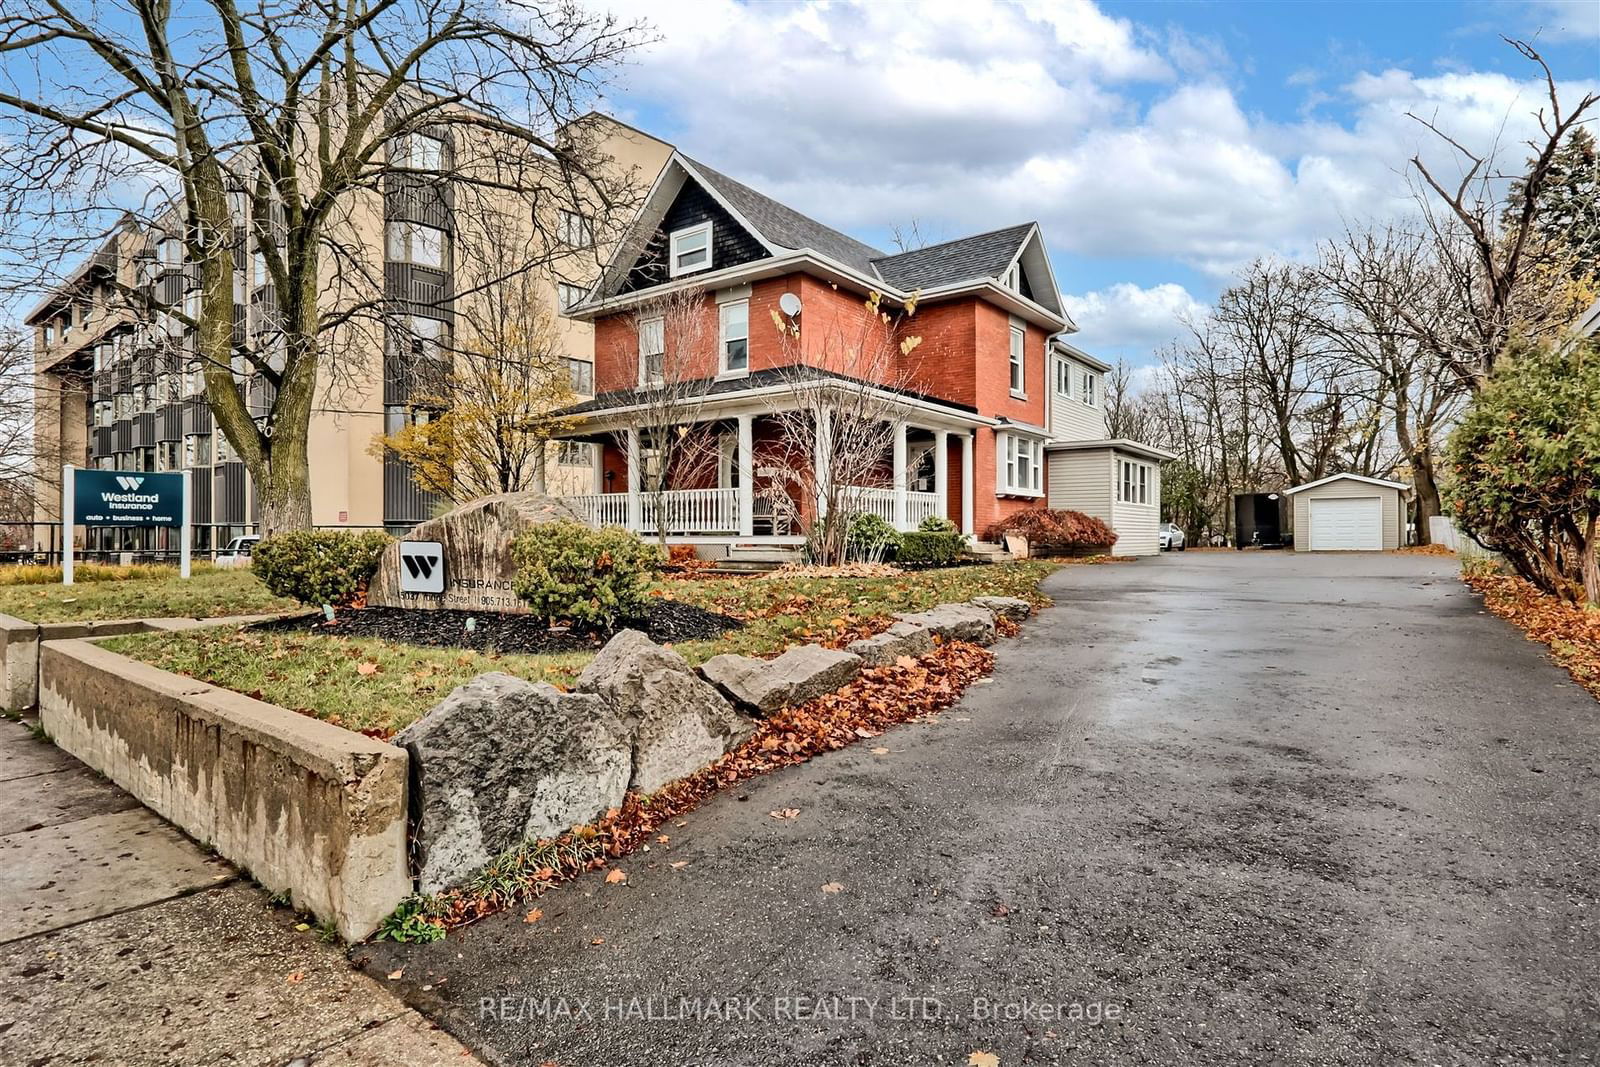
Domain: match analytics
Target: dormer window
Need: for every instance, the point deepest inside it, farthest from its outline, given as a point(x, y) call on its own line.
point(690, 250)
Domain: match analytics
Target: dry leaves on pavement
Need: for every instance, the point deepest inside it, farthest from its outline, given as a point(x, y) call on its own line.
point(1571, 632)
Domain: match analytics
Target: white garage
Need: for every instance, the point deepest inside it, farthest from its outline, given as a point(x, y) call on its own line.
point(1349, 513)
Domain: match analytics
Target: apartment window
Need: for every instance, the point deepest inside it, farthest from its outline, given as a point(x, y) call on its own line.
point(574, 454)
point(580, 374)
point(1133, 482)
point(167, 456)
point(102, 413)
point(225, 452)
point(105, 463)
point(397, 417)
point(1091, 389)
point(170, 252)
point(735, 349)
point(652, 351)
point(689, 250)
point(424, 338)
point(123, 405)
point(197, 450)
point(575, 230)
point(66, 324)
point(144, 459)
point(1021, 467)
point(420, 152)
point(1018, 364)
point(194, 379)
point(167, 388)
point(144, 398)
point(47, 335)
point(421, 246)
point(570, 295)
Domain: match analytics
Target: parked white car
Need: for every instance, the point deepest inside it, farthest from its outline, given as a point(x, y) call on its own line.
point(237, 552)
point(1172, 538)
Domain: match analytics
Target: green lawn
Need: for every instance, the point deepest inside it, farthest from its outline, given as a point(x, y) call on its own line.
point(369, 684)
point(131, 593)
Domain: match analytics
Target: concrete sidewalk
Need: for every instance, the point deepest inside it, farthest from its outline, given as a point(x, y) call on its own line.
point(125, 943)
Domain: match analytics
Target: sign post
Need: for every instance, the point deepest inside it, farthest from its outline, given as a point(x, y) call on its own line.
point(124, 498)
point(67, 523)
point(184, 530)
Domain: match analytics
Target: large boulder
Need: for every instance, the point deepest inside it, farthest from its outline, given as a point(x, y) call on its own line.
point(956, 622)
point(678, 722)
point(476, 542)
point(1005, 607)
point(901, 639)
point(502, 760)
point(802, 673)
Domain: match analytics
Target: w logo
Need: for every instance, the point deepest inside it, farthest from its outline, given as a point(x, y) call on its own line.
point(129, 484)
point(421, 567)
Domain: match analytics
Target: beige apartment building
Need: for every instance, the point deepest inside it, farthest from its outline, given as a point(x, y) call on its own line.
point(121, 389)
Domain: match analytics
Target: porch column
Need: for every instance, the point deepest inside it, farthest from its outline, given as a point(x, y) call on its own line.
point(967, 489)
point(747, 476)
point(941, 473)
point(635, 513)
point(822, 461)
point(899, 475)
point(597, 461)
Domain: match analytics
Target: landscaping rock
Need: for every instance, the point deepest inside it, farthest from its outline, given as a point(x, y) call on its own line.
point(502, 760)
point(678, 722)
point(1005, 607)
point(901, 639)
point(802, 673)
point(956, 622)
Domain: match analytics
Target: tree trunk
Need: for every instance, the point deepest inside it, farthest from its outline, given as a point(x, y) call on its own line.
point(1429, 502)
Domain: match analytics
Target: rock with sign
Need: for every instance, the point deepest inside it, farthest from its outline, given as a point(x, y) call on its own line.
point(462, 560)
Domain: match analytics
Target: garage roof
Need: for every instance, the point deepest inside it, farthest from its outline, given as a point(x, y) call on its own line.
point(1353, 478)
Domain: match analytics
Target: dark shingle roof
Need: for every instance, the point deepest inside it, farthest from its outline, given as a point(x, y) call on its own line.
point(985, 255)
point(785, 226)
point(706, 387)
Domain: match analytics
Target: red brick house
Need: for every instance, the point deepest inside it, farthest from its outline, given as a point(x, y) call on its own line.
point(973, 411)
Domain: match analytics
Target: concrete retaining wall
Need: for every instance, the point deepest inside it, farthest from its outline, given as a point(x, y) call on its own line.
point(304, 806)
point(19, 650)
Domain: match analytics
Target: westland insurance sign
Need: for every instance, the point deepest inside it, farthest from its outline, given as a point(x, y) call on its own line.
point(127, 498)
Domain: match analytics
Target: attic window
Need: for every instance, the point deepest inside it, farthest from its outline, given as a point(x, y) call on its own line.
point(1012, 278)
point(690, 249)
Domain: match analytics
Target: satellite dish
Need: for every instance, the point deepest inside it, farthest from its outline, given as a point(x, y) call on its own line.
point(789, 304)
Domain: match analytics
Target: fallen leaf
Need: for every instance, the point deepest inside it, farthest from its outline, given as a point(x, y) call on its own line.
point(617, 875)
point(833, 887)
point(983, 1059)
point(598, 941)
point(296, 977)
point(395, 976)
point(880, 751)
point(662, 839)
point(680, 865)
point(784, 813)
point(369, 667)
point(533, 916)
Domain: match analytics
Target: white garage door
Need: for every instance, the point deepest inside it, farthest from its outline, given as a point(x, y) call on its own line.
point(1347, 523)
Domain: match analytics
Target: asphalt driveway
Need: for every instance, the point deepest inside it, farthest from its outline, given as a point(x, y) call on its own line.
point(1213, 808)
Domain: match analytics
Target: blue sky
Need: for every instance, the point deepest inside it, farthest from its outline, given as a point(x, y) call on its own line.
point(1161, 145)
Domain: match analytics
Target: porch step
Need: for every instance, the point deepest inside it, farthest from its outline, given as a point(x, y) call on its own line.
point(754, 559)
point(988, 550)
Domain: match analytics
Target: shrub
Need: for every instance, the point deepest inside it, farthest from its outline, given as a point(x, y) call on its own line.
point(565, 570)
point(936, 524)
point(930, 548)
point(871, 538)
point(319, 567)
point(1053, 531)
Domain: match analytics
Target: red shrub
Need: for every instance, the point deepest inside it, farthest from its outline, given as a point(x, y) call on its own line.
point(1049, 530)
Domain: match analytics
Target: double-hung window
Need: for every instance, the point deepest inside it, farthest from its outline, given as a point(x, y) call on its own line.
point(1091, 389)
point(689, 250)
point(1063, 378)
point(569, 295)
point(1021, 465)
point(420, 152)
point(575, 230)
point(652, 351)
point(580, 376)
point(1018, 362)
point(1133, 482)
point(735, 346)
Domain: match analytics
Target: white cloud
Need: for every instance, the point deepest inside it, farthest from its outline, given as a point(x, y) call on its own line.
point(1127, 320)
point(1565, 19)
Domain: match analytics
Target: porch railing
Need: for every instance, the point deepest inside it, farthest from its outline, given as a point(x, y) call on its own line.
point(880, 502)
point(716, 511)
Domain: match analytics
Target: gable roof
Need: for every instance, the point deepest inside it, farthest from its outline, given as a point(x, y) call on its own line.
point(783, 226)
point(1384, 482)
point(984, 255)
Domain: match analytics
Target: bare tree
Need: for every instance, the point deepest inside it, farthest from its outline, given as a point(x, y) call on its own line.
point(1487, 247)
point(1128, 413)
point(19, 453)
point(669, 442)
point(282, 129)
point(836, 416)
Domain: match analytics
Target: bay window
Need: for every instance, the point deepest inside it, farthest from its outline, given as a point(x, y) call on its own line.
point(1133, 482)
point(1021, 465)
point(419, 245)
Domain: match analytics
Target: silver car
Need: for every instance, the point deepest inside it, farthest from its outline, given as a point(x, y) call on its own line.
point(1172, 538)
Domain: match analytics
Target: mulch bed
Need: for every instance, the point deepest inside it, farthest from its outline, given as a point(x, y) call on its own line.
point(666, 621)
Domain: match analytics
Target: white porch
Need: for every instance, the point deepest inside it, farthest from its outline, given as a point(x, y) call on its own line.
point(719, 512)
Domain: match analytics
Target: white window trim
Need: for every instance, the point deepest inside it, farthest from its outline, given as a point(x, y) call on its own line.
point(1063, 367)
point(1136, 479)
point(672, 249)
point(1091, 389)
point(1017, 356)
point(644, 328)
point(1005, 483)
point(723, 371)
